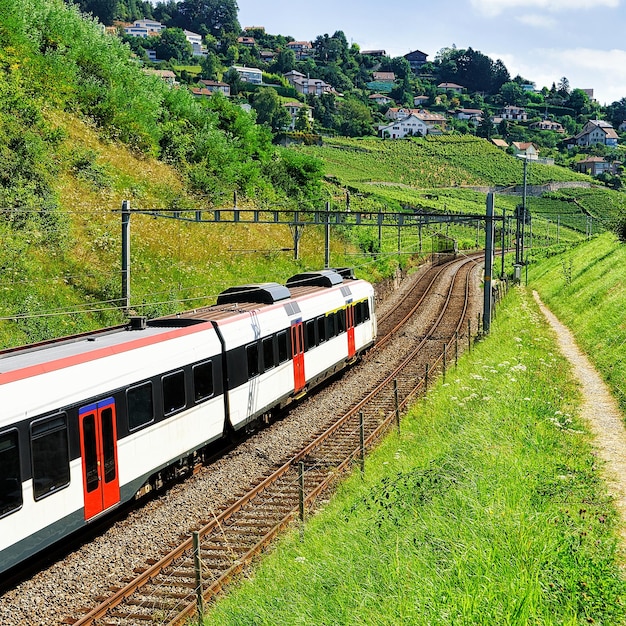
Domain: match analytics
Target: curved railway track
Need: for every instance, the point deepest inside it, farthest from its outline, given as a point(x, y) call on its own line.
point(168, 590)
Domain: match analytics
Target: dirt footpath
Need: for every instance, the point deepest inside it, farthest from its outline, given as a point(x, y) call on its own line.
point(600, 410)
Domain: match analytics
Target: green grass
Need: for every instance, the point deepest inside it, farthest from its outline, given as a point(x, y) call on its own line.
point(487, 509)
point(585, 289)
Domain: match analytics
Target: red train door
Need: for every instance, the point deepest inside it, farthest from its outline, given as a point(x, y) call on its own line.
point(350, 329)
point(297, 354)
point(98, 447)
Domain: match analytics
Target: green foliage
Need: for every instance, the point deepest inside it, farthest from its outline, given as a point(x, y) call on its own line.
point(298, 175)
point(172, 45)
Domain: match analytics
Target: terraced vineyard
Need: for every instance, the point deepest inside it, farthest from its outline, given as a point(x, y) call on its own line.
point(444, 161)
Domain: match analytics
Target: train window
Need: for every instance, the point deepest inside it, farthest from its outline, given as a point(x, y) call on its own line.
point(341, 321)
point(10, 477)
point(252, 354)
point(283, 346)
point(90, 457)
point(173, 392)
point(330, 326)
point(321, 328)
point(310, 334)
point(50, 455)
point(358, 313)
point(140, 405)
point(366, 310)
point(203, 381)
point(268, 353)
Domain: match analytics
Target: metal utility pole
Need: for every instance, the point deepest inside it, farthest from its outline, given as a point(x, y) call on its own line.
point(487, 291)
point(126, 254)
point(327, 238)
point(524, 210)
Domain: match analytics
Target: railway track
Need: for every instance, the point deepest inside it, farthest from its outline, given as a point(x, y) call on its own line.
point(173, 588)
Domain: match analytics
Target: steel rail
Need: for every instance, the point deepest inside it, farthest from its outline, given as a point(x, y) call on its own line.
point(185, 548)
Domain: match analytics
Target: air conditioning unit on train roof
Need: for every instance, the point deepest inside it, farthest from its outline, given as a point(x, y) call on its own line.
point(323, 278)
point(264, 293)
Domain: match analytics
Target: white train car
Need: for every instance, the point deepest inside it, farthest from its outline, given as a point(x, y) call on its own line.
point(88, 422)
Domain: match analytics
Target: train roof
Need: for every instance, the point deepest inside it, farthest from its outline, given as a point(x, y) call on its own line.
point(139, 331)
point(83, 345)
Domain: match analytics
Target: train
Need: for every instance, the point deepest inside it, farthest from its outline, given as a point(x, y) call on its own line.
point(92, 421)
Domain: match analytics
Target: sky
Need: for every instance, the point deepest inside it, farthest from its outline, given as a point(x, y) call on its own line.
point(541, 40)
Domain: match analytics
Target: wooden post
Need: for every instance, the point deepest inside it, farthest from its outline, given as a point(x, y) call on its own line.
point(397, 403)
point(362, 441)
point(301, 490)
point(197, 562)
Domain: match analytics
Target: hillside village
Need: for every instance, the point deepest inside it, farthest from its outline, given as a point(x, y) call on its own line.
point(303, 91)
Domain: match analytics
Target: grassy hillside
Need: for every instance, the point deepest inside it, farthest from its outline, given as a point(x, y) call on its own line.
point(585, 289)
point(488, 508)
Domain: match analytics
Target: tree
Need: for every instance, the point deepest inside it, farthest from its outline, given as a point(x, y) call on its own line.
point(104, 10)
point(616, 112)
point(303, 123)
point(172, 44)
point(269, 110)
point(513, 94)
point(485, 128)
point(210, 65)
point(215, 17)
point(233, 79)
point(356, 118)
point(579, 101)
point(563, 87)
point(285, 61)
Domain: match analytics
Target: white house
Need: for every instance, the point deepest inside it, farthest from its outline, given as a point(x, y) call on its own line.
point(548, 125)
point(380, 98)
point(525, 149)
point(294, 108)
point(515, 113)
point(196, 43)
point(597, 131)
point(411, 125)
point(305, 85)
point(471, 115)
point(144, 28)
point(250, 75)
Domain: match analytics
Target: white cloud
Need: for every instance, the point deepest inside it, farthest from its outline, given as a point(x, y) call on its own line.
point(492, 8)
point(537, 21)
point(604, 71)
